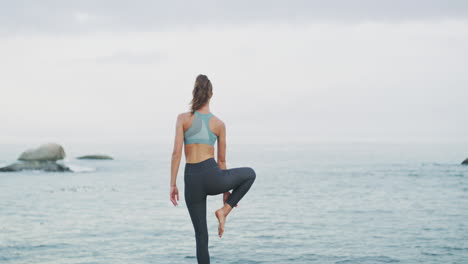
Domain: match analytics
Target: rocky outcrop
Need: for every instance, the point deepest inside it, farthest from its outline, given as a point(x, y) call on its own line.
point(36, 165)
point(465, 162)
point(96, 157)
point(42, 158)
point(45, 152)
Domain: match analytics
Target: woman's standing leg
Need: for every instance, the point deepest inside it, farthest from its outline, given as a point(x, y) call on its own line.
point(195, 199)
point(197, 213)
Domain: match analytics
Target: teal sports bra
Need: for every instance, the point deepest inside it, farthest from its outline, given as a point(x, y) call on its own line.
point(199, 131)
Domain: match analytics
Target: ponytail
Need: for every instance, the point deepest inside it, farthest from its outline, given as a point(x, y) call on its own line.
point(202, 92)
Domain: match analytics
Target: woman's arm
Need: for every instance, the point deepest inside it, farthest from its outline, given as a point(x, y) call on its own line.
point(222, 147)
point(176, 157)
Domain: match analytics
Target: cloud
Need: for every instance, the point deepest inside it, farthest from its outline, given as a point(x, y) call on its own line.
point(59, 16)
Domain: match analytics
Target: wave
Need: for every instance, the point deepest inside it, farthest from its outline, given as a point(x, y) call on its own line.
point(78, 168)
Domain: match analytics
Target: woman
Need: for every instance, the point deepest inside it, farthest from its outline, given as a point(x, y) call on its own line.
point(198, 130)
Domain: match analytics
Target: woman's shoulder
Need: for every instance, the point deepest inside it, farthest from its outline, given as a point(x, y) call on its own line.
point(184, 115)
point(217, 121)
point(183, 118)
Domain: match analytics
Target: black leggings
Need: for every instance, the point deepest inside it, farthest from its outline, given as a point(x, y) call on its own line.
point(206, 178)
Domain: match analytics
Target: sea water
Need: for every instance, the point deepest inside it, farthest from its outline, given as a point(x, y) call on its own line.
point(310, 203)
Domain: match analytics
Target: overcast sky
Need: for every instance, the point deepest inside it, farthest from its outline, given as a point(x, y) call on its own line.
point(282, 71)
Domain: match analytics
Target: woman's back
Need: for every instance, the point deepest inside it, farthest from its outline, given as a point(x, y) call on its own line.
point(201, 130)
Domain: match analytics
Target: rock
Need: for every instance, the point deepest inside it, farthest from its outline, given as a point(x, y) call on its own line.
point(35, 165)
point(45, 152)
point(42, 158)
point(97, 157)
point(465, 162)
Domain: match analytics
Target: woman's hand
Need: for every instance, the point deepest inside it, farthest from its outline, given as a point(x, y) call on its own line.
point(226, 196)
point(174, 194)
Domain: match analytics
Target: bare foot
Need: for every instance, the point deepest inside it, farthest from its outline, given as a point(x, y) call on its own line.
point(222, 219)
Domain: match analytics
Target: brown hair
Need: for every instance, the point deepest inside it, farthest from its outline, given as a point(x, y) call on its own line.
point(202, 92)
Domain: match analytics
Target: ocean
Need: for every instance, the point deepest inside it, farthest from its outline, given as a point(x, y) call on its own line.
point(311, 203)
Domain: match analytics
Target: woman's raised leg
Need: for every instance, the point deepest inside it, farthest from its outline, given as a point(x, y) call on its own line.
point(247, 177)
point(237, 179)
